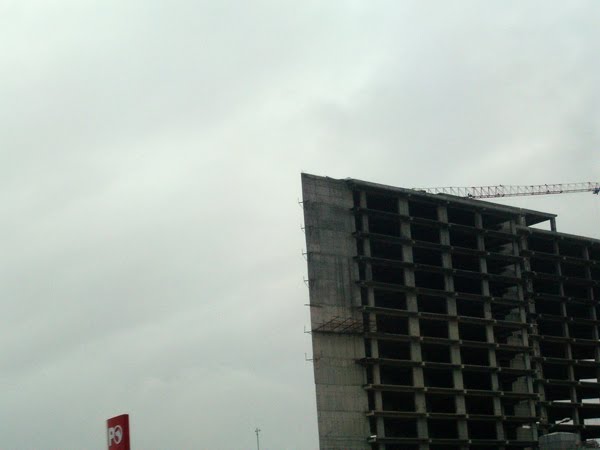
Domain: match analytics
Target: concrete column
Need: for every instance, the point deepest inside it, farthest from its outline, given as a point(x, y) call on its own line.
point(413, 322)
point(453, 332)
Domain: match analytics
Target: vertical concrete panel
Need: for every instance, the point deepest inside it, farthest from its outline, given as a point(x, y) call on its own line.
point(334, 295)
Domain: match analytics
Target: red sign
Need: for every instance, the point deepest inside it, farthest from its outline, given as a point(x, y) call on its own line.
point(117, 429)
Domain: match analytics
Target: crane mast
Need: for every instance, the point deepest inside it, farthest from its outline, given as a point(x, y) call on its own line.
point(515, 190)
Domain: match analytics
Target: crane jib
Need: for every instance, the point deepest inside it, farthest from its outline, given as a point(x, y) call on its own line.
point(514, 190)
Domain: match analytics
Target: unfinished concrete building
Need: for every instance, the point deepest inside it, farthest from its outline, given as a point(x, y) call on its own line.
point(445, 323)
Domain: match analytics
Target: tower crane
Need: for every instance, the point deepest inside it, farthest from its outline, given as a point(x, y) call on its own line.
point(502, 190)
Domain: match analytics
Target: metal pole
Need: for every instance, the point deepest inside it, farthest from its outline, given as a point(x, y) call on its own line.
point(257, 440)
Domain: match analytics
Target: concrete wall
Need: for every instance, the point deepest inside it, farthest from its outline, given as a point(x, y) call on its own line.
point(341, 399)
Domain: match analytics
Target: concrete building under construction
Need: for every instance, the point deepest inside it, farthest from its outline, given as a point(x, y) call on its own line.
point(445, 323)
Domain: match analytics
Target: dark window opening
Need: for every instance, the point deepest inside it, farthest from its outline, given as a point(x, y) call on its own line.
point(543, 266)
point(471, 308)
point(585, 373)
point(579, 310)
point(364, 296)
point(589, 433)
point(393, 325)
point(362, 267)
point(429, 280)
point(503, 289)
point(506, 249)
point(594, 253)
point(427, 256)
point(498, 265)
point(506, 358)
point(538, 244)
point(499, 245)
point(384, 225)
point(370, 376)
point(435, 353)
point(520, 385)
point(423, 210)
point(360, 247)
point(389, 299)
point(465, 262)
point(384, 274)
point(472, 332)
point(475, 356)
point(550, 328)
point(501, 268)
point(398, 401)
point(589, 417)
point(553, 350)
point(573, 270)
point(433, 328)
point(442, 429)
point(427, 303)
point(508, 336)
point(580, 331)
point(555, 371)
point(556, 415)
point(546, 287)
point(574, 290)
point(401, 447)
point(479, 405)
point(358, 223)
point(461, 217)
point(371, 400)
point(511, 433)
point(356, 198)
point(373, 428)
point(508, 406)
point(495, 222)
point(440, 404)
point(382, 203)
point(396, 375)
point(505, 312)
point(583, 351)
point(438, 378)
point(557, 393)
point(511, 383)
point(566, 248)
point(386, 250)
point(368, 326)
point(400, 428)
point(424, 233)
point(459, 238)
point(482, 430)
point(587, 395)
point(544, 306)
point(467, 285)
point(477, 380)
point(394, 350)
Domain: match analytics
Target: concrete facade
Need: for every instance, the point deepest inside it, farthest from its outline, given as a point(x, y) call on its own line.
point(440, 322)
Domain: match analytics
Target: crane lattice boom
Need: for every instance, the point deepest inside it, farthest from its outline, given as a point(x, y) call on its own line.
point(515, 190)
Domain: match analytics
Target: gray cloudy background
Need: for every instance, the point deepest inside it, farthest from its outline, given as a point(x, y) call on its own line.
point(150, 171)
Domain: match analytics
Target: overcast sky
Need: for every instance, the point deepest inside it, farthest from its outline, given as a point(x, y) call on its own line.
point(150, 159)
